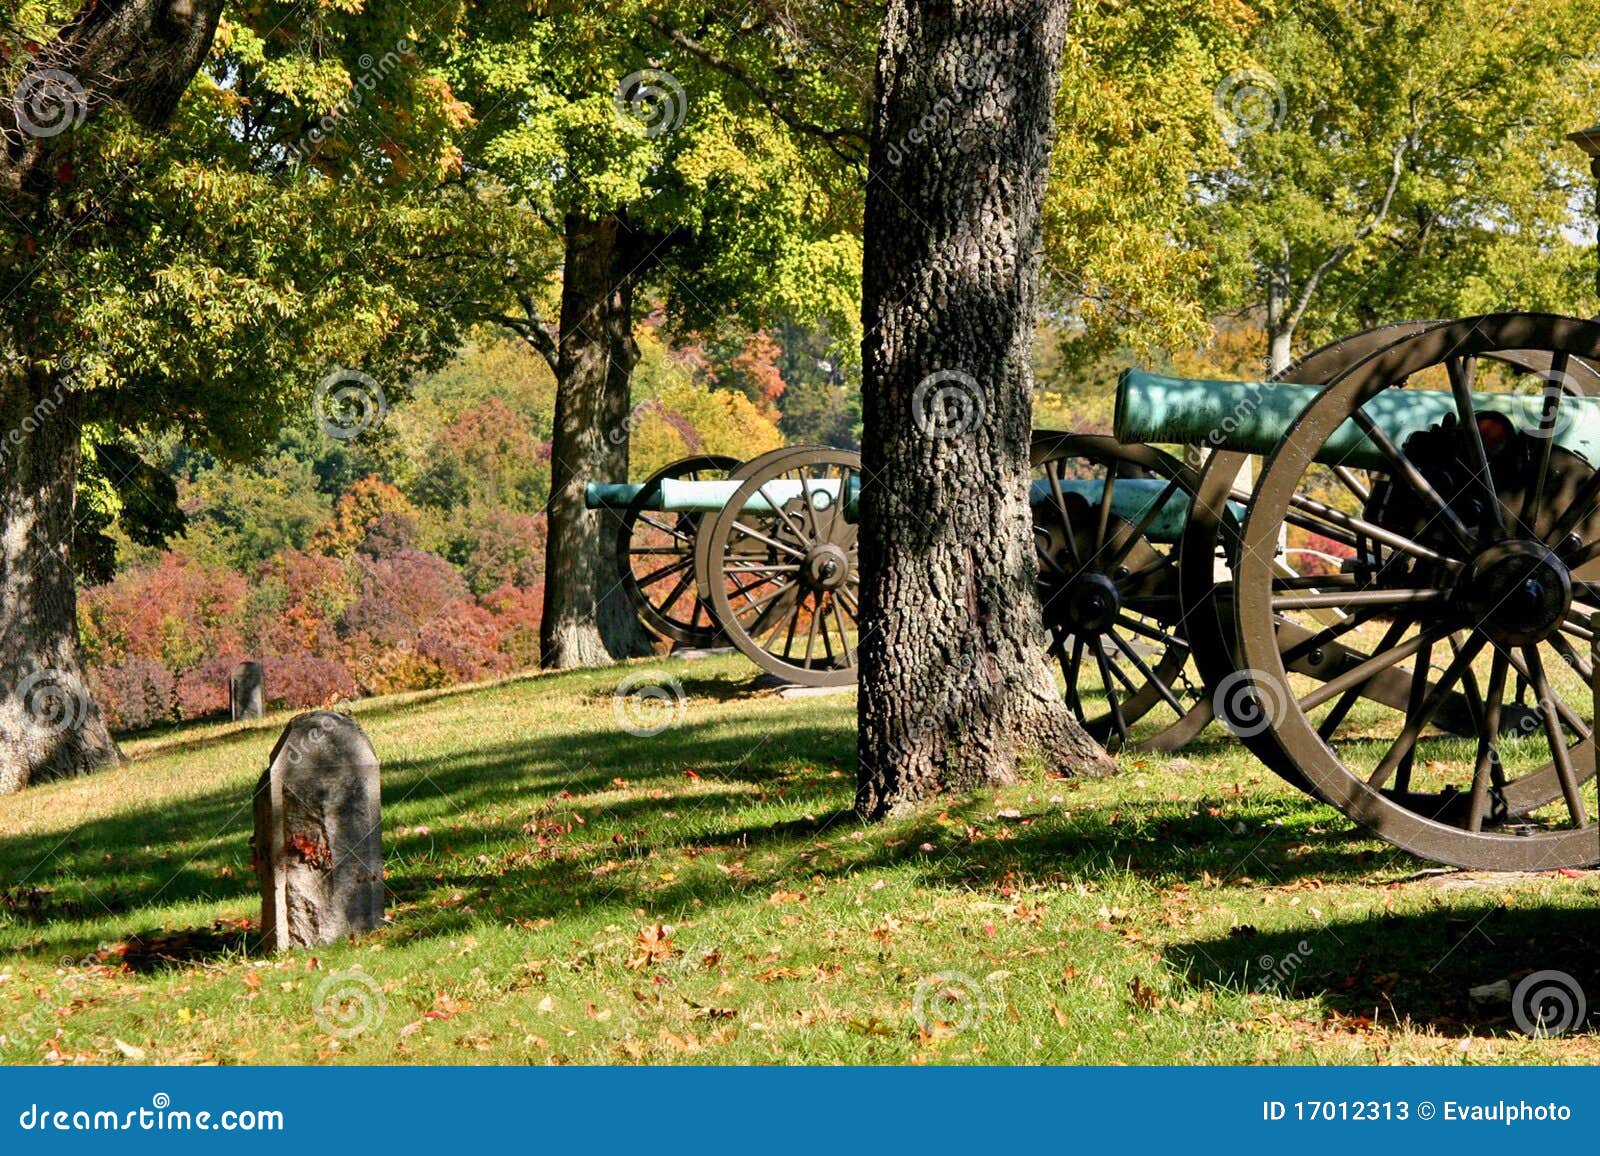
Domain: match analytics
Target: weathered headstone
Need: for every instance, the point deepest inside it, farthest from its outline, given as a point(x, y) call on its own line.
point(247, 690)
point(318, 837)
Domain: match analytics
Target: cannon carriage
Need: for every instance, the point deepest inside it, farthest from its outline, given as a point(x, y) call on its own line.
point(1397, 616)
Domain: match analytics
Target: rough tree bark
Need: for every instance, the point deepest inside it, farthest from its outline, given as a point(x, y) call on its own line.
point(588, 620)
point(49, 726)
point(139, 55)
point(955, 691)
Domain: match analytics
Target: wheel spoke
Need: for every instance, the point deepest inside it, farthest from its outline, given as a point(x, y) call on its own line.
point(1072, 675)
point(1312, 581)
point(1581, 665)
point(1117, 721)
point(1533, 499)
point(681, 535)
point(844, 635)
point(773, 542)
point(757, 603)
point(655, 576)
point(1559, 753)
point(1052, 472)
point(827, 643)
point(1145, 522)
point(1352, 694)
point(796, 527)
point(1487, 771)
point(683, 584)
point(778, 568)
point(1568, 715)
point(1338, 600)
point(1352, 483)
point(1407, 471)
point(811, 510)
point(1414, 698)
point(1150, 632)
point(811, 637)
point(1359, 674)
point(1147, 674)
point(769, 619)
point(1462, 372)
point(1360, 526)
point(1582, 503)
point(1103, 522)
point(1430, 707)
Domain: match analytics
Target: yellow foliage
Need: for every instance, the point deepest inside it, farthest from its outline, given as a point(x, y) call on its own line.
point(674, 415)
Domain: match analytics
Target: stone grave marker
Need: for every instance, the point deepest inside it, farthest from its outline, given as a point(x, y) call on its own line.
point(247, 691)
point(318, 836)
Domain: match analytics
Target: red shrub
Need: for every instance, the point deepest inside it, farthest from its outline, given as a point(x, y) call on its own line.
point(203, 691)
point(401, 595)
point(297, 603)
point(464, 641)
point(517, 611)
point(303, 680)
point(177, 613)
point(502, 548)
point(135, 694)
point(390, 668)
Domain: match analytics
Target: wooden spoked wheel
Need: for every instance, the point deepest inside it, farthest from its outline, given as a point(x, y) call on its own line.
point(1210, 548)
point(1108, 587)
point(781, 574)
point(655, 555)
point(1211, 543)
point(1473, 543)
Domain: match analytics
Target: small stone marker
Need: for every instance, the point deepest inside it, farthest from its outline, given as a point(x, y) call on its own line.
point(318, 838)
point(247, 690)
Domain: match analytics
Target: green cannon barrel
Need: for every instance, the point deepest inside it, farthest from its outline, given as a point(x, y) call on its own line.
point(686, 496)
point(1252, 416)
point(1131, 500)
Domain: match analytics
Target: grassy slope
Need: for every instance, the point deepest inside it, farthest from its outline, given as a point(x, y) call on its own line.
point(1195, 911)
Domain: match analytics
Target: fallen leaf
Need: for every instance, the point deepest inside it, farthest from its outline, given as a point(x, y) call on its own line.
point(1145, 997)
point(652, 948)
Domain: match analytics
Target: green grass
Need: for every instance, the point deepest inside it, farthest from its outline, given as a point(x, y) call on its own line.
point(565, 892)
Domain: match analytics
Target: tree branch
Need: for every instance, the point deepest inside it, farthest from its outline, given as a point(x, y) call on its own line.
point(1340, 252)
point(137, 54)
point(530, 328)
point(849, 144)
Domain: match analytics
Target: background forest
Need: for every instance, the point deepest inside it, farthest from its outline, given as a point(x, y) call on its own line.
point(1239, 185)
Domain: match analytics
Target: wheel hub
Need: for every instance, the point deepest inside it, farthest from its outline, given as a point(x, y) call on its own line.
point(1517, 592)
point(827, 567)
point(1092, 603)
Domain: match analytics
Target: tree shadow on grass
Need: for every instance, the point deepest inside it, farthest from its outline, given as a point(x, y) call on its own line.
point(496, 823)
point(68, 888)
point(1418, 968)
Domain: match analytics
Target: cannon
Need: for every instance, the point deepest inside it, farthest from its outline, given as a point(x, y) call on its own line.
point(760, 554)
point(1445, 474)
point(1398, 617)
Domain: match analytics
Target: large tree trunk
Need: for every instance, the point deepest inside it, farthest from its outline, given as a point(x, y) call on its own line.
point(588, 620)
point(140, 56)
point(955, 690)
point(49, 725)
